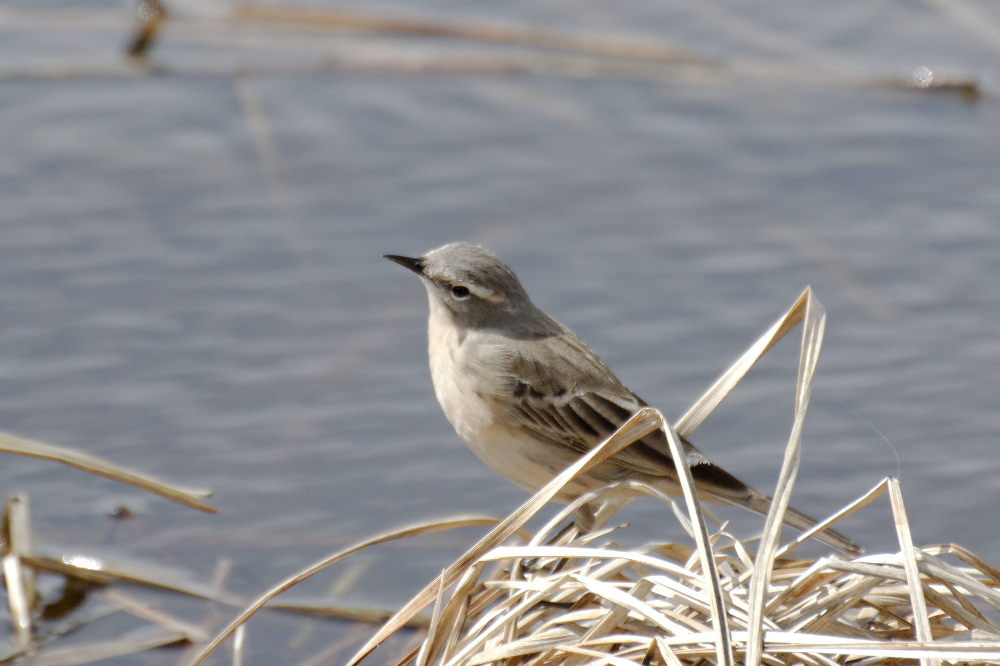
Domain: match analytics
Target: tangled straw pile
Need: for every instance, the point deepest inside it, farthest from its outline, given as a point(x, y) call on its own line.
point(567, 598)
point(570, 603)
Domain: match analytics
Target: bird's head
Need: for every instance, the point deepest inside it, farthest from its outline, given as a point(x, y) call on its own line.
point(473, 285)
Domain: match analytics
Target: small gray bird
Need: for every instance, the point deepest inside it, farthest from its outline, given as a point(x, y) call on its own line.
point(529, 397)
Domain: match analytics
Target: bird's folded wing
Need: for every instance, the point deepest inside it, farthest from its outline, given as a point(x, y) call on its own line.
point(584, 420)
point(573, 399)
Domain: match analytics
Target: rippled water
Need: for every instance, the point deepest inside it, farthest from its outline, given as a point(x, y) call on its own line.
point(192, 282)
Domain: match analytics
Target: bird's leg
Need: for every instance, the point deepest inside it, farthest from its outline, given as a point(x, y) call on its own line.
point(584, 519)
point(568, 533)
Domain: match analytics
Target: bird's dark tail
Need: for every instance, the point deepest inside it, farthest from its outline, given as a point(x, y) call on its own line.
point(716, 484)
point(761, 503)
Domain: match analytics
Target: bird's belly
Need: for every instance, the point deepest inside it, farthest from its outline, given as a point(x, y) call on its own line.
point(509, 451)
point(530, 464)
point(463, 392)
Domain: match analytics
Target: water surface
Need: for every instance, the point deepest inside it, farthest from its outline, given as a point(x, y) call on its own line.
point(192, 281)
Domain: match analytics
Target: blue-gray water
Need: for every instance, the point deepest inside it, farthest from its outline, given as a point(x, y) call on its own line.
point(191, 281)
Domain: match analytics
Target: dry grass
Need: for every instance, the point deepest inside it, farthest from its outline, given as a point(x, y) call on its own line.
point(341, 40)
point(571, 602)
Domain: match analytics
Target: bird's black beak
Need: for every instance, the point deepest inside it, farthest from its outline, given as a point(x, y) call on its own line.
point(415, 264)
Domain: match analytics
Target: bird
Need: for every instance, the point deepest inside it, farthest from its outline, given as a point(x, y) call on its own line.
point(529, 397)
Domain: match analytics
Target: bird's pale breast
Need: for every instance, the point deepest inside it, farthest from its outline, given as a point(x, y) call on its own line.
point(467, 395)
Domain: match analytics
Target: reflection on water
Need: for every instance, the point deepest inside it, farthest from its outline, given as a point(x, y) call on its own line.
point(192, 281)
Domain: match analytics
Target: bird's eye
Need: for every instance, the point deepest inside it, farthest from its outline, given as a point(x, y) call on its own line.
point(460, 292)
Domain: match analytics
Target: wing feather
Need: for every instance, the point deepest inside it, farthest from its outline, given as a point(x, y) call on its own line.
point(592, 407)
